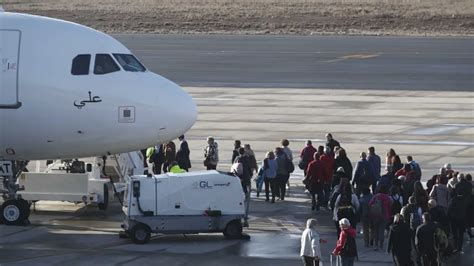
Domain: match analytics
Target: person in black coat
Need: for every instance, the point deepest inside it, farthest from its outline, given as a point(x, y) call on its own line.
point(399, 242)
point(182, 156)
point(344, 162)
point(457, 211)
point(438, 215)
point(424, 241)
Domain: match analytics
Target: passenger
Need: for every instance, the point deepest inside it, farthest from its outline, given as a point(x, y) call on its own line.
point(363, 174)
point(316, 174)
point(284, 144)
point(463, 187)
point(408, 185)
point(270, 167)
point(396, 164)
point(347, 251)
point(421, 197)
point(440, 193)
point(389, 159)
point(438, 215)
point(424, 241)
point(245, 176)
point(337, 177)
point(380, 207)
point(415, 167)
point(245, 180)
point(156, 157)
point(341, 160)
point(327, 160)
point(405, 170)
point(397, 200)
point(211, 154)
point(457, 209)
point(449, 169)
point(374, 161)
point(399, 242)
point(175, 169)
point(235, 152)
point(346, 206)
point(252, 161)
point(364, 215)
point(306, 156)
point(182, 156)
point(452, 182)
point(310, 250)
point(282, 173)
point(331, 143)
point(170, 155)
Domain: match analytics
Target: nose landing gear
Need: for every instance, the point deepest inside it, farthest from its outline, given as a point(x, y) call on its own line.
point(15, 212)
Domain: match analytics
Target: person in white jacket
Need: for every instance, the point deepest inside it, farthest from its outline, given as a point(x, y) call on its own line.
point(310, 244)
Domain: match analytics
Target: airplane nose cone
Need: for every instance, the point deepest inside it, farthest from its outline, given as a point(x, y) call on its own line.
point(185, 112)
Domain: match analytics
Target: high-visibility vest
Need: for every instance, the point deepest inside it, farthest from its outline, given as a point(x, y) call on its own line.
point(177, 170)
point(149, 152)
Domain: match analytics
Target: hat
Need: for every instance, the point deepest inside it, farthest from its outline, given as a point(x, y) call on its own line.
point(344, 221)
point(340, 169)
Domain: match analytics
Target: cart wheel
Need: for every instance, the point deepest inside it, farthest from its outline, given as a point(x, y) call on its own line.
point(103, 205)
point(140, 234)
point(14, 212)
point(233, 230)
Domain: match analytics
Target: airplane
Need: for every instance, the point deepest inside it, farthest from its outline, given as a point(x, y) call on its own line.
point(69, 91)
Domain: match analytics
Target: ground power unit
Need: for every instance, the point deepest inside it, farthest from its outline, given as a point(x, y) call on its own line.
point(186, 203)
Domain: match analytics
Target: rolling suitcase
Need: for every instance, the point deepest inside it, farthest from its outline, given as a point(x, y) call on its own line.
point(337, 260)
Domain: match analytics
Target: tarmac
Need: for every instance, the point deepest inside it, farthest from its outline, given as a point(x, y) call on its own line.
point(429, 116)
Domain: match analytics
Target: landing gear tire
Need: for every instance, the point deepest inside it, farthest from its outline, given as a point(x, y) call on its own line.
point(103, 206)
point(14, 212)
point(233, 230)
point(140, 234)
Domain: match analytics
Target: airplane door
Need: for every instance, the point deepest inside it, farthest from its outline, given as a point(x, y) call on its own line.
point(9, 67)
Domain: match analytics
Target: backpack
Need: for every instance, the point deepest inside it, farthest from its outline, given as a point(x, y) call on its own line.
point(396, 205)
point(415, 219)
point(441, 241)
point(376, 209)
point(345, 209)
point(237, 168)
point(290, 167)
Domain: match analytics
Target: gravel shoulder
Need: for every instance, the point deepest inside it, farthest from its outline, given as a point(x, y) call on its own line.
point(298, 17)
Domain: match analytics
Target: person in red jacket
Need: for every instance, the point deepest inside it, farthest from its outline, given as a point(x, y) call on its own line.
point(316, 173)
point(306, 156)
point(380, 209)
point(328, 162)
point(346, 244)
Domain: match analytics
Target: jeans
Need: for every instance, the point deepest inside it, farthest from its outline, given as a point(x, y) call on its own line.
point(327, 193)
point(271, 183)
point(282, 180)
point(458, 227)
point(310, 261)
point(379, 230)
point(366, 227)
point(211, 167)
point(347, 261)
point(317, 190)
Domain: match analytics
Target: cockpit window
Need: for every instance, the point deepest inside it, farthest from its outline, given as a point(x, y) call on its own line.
point(80, 64)
point(104, 64)
point(129, 63)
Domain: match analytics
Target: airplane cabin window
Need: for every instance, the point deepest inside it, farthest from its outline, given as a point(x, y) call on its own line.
point(80, 64)
point(104, 64)
point(129, 63)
